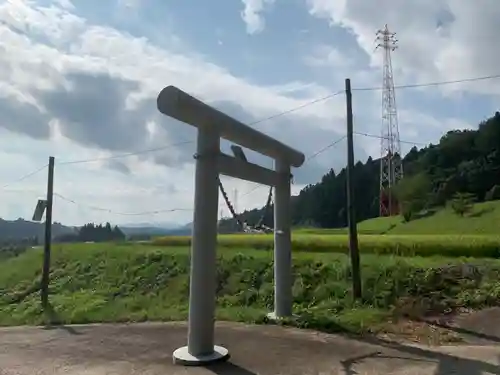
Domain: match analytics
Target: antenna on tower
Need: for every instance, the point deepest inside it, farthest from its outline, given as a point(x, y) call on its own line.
point(391, 166)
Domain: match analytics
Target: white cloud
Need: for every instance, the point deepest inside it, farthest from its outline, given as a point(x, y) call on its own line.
point(66, 4)
point(327, 56)
point(438, 40)
point(52, 56)
point(251, 14)
point(130, 4)
point(94, 193)
point(79, 90)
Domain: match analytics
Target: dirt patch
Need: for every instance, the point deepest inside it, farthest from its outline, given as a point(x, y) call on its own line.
point(406, 330)
point(466, 327)
point(474, 327)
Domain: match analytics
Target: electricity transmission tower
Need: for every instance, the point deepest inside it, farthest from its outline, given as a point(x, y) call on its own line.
point(391, 166)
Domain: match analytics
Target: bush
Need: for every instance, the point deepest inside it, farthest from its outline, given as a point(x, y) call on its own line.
point(462, 203)
point(9, 251)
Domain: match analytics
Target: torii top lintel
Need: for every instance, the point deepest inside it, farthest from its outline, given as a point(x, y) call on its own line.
point(177, 104)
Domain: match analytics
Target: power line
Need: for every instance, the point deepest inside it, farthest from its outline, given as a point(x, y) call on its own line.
point(25, 176)
point(429, 84)
point(307, 104)
point(108, 210)
point(312, 102)
point(294, 109)
point(126, 154)
point(406, 86)
point(380, 137)
point(145, 151)
point(320, 151)
point(309, 158)
point(24, 191)
point(290, 111)
point(251, 191)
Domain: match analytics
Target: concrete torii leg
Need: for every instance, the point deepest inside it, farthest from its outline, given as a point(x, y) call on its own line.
point(282, 244)
point(200, 349)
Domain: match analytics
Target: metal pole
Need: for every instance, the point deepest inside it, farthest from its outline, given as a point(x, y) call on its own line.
point(351, 212)
point(44, 287)
point(282, 243)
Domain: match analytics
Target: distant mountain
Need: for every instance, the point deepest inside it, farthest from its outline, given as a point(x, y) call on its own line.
point(162, 225)
point(12, 230)
point(140, 230)
point(146, 230)
point(182, 231)
point(15, 230)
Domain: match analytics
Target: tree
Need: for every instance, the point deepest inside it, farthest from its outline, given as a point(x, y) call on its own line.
point(412, 193)
point(463, 160)
point(95, 233)
point(462, 203)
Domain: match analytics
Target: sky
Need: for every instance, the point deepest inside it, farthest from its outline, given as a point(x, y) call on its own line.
point(79, 81)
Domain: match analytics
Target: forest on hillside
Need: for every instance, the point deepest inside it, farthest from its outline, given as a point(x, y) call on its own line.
point(93, 233)
point(464, 161)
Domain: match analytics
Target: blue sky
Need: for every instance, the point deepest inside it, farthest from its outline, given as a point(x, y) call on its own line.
point(79, 80)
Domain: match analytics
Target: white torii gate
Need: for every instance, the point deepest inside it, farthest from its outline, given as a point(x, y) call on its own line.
point(210, 162)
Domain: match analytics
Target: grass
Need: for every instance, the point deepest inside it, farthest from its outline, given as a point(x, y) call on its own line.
point(417, 268)
point(132, 282)
point(484, 219)
point(404, 245)
point(442, 233)
point(376, 226)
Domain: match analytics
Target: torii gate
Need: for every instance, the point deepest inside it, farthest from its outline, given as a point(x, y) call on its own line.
point(210, 162)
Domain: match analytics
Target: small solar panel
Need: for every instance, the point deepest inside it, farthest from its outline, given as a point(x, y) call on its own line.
point(39, 210)
point(238, 153)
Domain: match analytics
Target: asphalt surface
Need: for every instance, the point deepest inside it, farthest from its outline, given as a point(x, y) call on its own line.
point(146, 349)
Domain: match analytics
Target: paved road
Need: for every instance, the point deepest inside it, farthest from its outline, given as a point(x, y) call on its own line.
point(269, 350)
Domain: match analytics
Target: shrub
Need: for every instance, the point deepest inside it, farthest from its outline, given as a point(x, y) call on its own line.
point(462, 203)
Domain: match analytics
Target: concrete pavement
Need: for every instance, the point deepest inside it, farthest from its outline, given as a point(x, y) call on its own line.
point(146, 349)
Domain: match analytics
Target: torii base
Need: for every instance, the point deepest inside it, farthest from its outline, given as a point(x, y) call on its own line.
point(272, 317)
point(181, 356)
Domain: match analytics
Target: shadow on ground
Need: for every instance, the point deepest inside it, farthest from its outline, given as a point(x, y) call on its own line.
point(475, 328)
point(447, 364)
point(478, 327)
point(228, 368)
point(54, 321)
point(348, 365)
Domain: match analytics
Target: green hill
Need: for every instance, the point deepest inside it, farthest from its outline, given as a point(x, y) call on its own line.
point(483, 219)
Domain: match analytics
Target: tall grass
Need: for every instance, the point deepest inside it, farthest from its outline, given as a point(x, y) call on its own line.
point(404, 245)
point(111, 283)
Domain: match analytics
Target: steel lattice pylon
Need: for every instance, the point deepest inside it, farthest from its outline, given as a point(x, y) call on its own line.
point(391, 167)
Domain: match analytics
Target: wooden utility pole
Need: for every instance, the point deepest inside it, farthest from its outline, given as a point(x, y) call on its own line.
point(44, 288)
point(351, 211)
